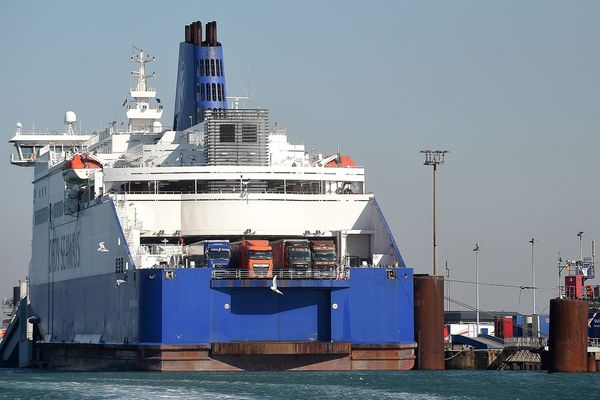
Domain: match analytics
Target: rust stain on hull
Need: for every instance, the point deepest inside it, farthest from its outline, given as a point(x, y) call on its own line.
point(236, 356)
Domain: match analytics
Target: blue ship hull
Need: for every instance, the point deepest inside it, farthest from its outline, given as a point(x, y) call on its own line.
point(188, 313)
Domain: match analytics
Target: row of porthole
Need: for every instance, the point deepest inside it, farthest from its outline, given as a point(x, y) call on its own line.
point(209, 67)
point(210, 92)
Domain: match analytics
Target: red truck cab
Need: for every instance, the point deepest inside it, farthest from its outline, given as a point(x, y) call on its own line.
point(254, 255)
point(291, 253)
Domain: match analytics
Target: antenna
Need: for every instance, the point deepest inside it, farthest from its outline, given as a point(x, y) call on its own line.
point(248, 92)
point(70, 121)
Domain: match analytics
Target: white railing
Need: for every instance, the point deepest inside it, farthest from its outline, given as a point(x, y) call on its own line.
point(534, 342)
point(293, 274)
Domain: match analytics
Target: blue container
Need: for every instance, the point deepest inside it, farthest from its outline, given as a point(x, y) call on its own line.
point(544, 325)
point(518, 324)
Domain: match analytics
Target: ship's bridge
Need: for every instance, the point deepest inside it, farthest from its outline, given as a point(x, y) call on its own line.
point(29, 144)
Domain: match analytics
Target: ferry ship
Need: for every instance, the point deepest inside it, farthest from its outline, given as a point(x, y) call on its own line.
point(214, 244)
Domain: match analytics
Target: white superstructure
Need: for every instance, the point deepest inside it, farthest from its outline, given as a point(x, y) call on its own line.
point(229, 177)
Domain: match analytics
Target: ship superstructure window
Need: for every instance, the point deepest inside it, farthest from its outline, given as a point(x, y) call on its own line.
point(249, 133)
point(202, 96)
point(227, 133)
point(198, 92)
point(206, 68)
point(218, 67)
point(222, 92)
point(212, 67)
point(41, 216)
point(214, 92)
point(119, 265)
point(201, 67)
point(58, 209)
point(219, 92)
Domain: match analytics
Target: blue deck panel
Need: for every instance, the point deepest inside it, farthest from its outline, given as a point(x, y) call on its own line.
point(376, 309)
point(192, 309)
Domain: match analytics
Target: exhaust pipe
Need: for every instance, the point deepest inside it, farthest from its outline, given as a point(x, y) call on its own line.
point(194, 32)
point(199, 33)
point(188, 38)
point(214, 38)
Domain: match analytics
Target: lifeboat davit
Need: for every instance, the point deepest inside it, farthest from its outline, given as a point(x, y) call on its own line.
point(80, 167)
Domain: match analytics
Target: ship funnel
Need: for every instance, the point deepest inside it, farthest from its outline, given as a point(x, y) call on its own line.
point(200, 76)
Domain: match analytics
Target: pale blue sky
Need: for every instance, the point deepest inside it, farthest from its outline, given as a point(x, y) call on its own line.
point(511, 88)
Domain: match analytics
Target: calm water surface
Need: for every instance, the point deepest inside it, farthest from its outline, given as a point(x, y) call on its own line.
point(26, 384)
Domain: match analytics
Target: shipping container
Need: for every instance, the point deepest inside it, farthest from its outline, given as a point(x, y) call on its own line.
point(574, 286)
point(504, 327)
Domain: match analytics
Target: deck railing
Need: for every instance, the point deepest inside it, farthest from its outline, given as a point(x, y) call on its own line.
point(293, 274)
point(532, 342)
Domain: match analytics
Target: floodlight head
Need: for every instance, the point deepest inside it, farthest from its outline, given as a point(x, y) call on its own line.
point(532, 241)
point(434, 157)
point(476, 247)
point(581, 234)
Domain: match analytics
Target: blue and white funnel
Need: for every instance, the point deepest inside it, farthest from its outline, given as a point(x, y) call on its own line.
point(200, 76)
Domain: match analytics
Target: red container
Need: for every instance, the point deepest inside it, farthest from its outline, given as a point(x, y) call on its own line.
point(503, 327)
point(574, 286)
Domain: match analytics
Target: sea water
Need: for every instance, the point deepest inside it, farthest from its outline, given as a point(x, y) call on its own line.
point(489, 385)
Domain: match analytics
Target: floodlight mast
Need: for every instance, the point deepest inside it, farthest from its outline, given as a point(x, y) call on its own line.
point(580, 235)
point(477, 249)
point(434, 158)
point(533, 242)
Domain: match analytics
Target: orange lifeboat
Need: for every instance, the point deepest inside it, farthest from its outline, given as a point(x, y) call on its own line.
point(341, 161)
point(80, 167)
